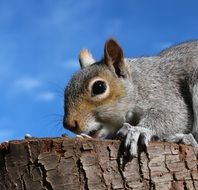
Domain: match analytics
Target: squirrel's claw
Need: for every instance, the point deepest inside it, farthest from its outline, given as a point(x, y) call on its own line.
point(133, 138)
point(83, 135)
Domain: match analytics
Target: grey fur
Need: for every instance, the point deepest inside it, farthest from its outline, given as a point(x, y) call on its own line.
point(162, 92)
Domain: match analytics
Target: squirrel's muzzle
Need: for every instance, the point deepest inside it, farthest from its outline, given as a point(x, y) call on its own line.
point(72, 125)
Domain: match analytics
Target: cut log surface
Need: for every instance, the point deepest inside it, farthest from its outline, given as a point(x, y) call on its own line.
point(73, 164)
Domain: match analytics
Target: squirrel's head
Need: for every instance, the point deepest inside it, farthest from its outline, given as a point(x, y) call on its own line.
point(95, 98)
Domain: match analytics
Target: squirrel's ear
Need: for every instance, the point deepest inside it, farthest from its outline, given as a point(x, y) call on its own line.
point(85, 58)
point(113, 57)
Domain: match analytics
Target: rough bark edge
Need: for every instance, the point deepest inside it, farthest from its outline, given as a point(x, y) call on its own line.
point(63, 163)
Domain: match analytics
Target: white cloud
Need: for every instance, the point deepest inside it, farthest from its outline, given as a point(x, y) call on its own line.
point(27, 84)
point(33, 87)
point(46, 96)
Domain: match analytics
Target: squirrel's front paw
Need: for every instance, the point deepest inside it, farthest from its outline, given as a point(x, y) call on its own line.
point(133, 138)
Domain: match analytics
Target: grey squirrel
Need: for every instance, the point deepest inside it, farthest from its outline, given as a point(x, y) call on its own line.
point(135, 99)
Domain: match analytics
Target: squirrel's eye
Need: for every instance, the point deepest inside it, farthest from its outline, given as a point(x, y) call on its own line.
point(98, 87)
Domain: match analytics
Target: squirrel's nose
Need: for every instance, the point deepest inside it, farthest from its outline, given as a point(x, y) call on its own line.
point(71, 125)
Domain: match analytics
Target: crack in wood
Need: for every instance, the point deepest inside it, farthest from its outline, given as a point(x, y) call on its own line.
point(186, 165)
point(165, 164)
point(103, 178)
point(30, 159)
point(23, 183)
point(109, 151)
point(173, 174)
point(4, 151)
point(183, 153)
point(192, 180)
point(82, 171)
point(140, 168)
point(79, 172)
point(185, 185)
point(169, 171)
point(120, 168)
point(45, 183)
point(151, 183)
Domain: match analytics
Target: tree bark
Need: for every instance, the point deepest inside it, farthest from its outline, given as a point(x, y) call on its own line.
point(73, 164)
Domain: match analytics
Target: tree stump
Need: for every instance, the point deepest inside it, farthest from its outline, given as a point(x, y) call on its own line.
point(73, 164)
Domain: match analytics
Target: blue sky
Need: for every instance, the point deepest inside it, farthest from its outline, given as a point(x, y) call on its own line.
point(40, 41)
